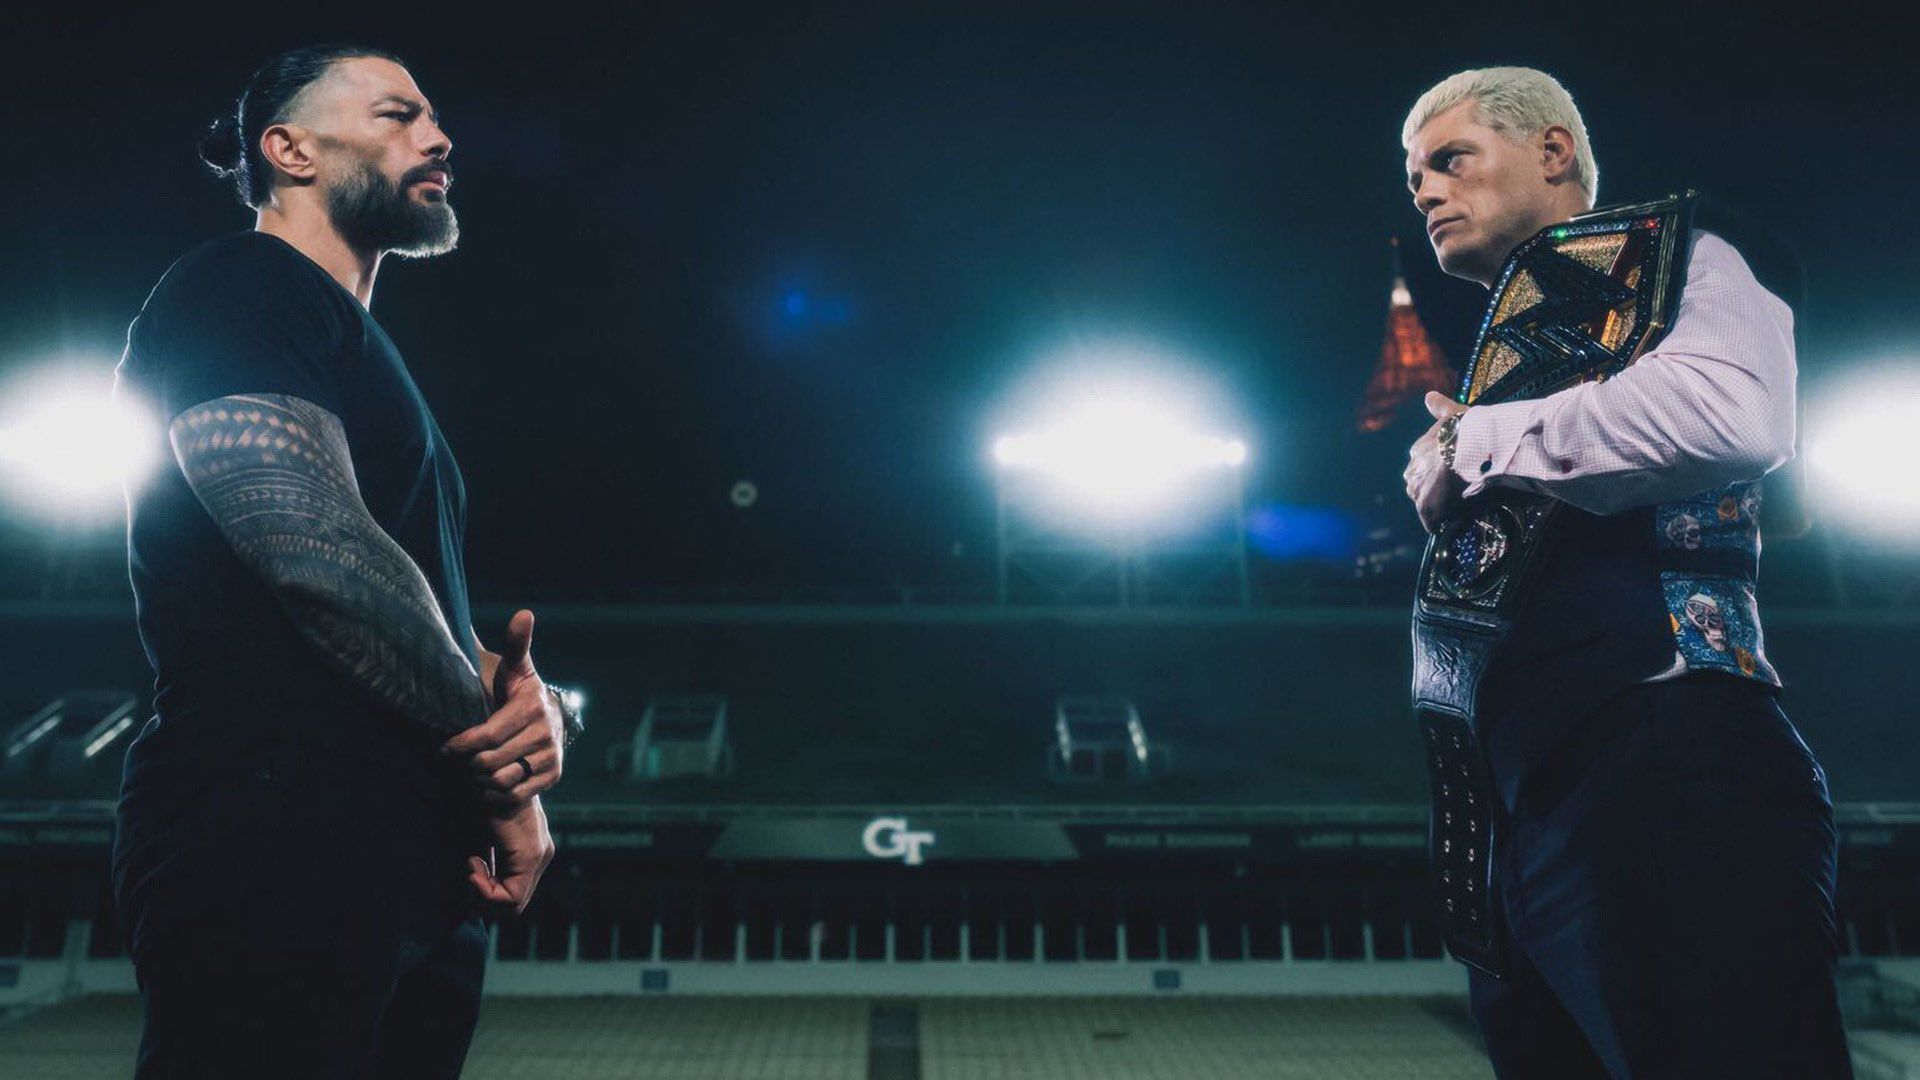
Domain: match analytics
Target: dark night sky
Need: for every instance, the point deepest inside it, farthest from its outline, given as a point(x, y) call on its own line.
point(951, 192)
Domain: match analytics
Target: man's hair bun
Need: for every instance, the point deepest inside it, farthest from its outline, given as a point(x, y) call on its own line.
point(231, 147)
point(220, 146)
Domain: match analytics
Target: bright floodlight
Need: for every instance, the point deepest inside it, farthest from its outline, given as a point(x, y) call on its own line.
point(74, 447)
point(1119, 452)
point(1861, 455)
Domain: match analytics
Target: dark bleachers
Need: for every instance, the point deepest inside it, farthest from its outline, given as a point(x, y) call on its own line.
point(595, 910)
point(896, 709)
point(916, 706)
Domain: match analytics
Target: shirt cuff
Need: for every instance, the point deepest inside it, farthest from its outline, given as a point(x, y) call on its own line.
point(1487, 438)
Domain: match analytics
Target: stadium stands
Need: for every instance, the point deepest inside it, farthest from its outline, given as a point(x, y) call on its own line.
point(1295, 706)
point(1280, 852)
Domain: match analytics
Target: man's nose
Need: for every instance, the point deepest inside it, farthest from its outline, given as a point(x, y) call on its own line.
point(438, 144)
point(1428, 198)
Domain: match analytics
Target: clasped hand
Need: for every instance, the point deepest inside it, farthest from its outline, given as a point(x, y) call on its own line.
point(1434, 489)
point(526, 726)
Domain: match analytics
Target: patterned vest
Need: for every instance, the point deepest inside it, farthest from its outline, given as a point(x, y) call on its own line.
point(1709, 554)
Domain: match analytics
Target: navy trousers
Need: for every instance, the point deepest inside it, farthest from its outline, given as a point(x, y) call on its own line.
point(1666, 887)
point(294, 917)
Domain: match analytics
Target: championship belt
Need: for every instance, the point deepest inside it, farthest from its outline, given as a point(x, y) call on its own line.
point(1576, 303)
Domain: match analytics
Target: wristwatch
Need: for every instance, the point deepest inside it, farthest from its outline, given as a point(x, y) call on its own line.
point(1449, 437)
point(572, 708)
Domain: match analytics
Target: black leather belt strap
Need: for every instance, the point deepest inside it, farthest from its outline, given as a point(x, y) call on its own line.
point(1461, 617)
point(1449, 653)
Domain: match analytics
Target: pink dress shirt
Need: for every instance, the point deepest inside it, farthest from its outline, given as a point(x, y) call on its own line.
point(1712, 404)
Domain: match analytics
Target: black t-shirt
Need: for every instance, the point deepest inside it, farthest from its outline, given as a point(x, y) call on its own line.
point(234, 679)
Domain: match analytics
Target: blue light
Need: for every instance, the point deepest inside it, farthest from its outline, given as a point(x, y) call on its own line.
point(1287, 533)
point(798, 313)
point(832, 311)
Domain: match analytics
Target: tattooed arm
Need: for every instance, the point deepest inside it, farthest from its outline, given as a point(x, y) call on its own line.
point(276, 476)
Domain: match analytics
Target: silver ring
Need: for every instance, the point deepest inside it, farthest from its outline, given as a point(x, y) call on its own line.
point(525, 768)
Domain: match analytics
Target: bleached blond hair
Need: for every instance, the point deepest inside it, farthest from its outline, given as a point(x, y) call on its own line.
point(1518, 102)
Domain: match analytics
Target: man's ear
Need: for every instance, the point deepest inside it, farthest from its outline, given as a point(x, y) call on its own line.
point(286, 147)
point(1556, 153)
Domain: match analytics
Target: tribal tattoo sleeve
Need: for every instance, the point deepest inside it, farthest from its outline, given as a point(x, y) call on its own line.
point(276, 475)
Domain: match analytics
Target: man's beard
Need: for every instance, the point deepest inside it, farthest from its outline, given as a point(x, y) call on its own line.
point(374, 215)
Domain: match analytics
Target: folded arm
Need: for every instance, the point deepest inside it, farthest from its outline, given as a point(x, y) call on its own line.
point(275, 474)
point(1712, 404)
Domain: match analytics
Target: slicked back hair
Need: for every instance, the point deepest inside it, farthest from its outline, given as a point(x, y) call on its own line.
point(1517, 102)
point(231, 146)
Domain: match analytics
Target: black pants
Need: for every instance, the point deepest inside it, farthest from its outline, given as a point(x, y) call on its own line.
point(1667, 891)
point(293, 917)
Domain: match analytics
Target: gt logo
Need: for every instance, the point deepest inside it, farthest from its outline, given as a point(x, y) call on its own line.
point(888, 838)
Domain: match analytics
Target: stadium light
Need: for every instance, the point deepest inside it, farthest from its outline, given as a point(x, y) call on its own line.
point(69, 446)
point(1118, 451)
point(1118, 479)
point(1860, 450)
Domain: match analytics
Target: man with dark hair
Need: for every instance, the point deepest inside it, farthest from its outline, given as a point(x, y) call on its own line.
point(338, 780)
point(1634, 850)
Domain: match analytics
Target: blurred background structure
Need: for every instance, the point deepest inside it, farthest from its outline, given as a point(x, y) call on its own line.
point(963, 458)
